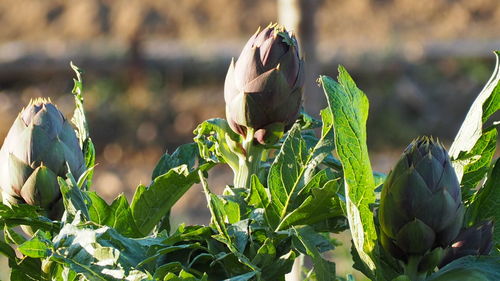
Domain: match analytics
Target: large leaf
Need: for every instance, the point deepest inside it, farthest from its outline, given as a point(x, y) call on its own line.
point(185, 154)
point(26, 269)
point(118, 215)
point(323, 203)
point(151, 204)
point(74, 199)
point(231, 235)
point(217, 210)
point(259, 198)
point(478, 267)
point(39, 246)
point(471, 149)
point(349, 107)
point(286, 175)
point(325, 270)
point(97, 253)
point(294, 167)
point(486, 203)
point(475, 171)
point(24, 214)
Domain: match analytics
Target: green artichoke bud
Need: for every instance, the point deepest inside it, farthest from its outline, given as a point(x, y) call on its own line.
point(420, 205)
point(263, 88)
point(39, 147)
point(476, 240)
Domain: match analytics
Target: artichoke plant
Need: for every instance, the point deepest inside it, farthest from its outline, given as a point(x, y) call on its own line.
point(39, 147)
point(476, 240)
point(263, 88)
point(421, 211)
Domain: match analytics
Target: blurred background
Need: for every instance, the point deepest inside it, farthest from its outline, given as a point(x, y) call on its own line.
point(155, 69)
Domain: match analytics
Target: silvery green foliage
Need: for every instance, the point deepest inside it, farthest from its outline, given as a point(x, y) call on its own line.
point(299, 197)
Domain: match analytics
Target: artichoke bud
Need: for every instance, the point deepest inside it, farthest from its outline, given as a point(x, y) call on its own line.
point(420, 205)
point(476, 240)
point(34, 153)
point(264, 86)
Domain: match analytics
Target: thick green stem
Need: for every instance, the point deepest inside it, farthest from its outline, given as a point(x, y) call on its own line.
point(249, 163)
point(411, 269)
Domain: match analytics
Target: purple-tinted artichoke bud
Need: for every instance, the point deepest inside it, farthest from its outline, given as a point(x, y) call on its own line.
point(34, 153)
point(476, 240)
point(263, 88)
point(420, 205)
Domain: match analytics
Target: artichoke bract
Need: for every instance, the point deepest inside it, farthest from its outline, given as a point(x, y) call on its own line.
point(476, 240)
point(38, 148)
point(263, 88)
point(421, 210)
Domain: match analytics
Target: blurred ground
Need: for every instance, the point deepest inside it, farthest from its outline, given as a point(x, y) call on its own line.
point(155, 69)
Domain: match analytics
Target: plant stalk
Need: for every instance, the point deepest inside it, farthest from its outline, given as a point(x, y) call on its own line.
point(411, 269)
point(249, 163)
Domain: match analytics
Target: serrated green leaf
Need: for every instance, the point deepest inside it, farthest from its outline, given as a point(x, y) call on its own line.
point(26, 269)
point(293, 168)
point(258, 196)
point(79, 119)
point(73, 198)
point(169, 249)
point(232, 236)
point(349, 106)
point(120, 218)
point(477, 162)
point(60, 272)
point(89, 158)
point(322, 204)
point(307, 122)
point(189, 233)
point(486, 203)
point(232, 210)
point(82, 129)
point(117, 215)
point(239, 234)
point(100, 253)
point(359, 264)
point(325, 270)
point(37, 247)
point(265, 254)
point(216, 207)
point(24, 214)
point(186, 154)
point(488, 102)
point(150, 204)
point(286, 173)
point(98, 208)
